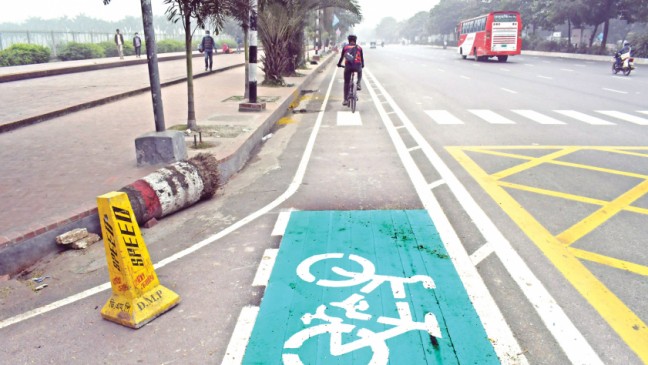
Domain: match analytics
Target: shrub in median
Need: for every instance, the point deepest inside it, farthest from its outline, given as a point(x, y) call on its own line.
point(24, 54)
point(170, 45)
point(80, 51)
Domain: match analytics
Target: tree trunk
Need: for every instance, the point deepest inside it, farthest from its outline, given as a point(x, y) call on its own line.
point(191, 111)
point(591, 40)
point(569, 41)
point(606, 28)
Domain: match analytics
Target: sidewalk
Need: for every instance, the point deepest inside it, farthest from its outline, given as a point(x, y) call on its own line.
point(52, 172)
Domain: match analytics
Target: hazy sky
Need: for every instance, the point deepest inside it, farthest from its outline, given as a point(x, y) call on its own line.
point(373, 10)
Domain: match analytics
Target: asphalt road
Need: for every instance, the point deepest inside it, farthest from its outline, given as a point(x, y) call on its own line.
point(545, 220)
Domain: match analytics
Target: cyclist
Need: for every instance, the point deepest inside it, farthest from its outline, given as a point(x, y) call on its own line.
point(353, 62)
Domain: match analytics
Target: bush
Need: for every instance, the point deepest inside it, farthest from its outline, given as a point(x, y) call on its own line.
point(24, 54)
point(639, 44)
point(80, 51)
point(170, 45)
point(110, 49)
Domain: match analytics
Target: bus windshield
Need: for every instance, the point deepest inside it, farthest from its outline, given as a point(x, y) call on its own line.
point(505, 18)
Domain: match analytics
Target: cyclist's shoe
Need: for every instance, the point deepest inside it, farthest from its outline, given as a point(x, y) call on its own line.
point(359, 87)
point(345, 103)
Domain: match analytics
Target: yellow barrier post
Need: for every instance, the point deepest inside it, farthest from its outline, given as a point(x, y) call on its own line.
point(137, 296)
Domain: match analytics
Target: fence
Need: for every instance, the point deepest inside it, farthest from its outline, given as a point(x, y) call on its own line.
point(53, 39)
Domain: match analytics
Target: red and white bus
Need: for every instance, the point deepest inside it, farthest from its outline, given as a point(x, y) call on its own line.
point(496, 34)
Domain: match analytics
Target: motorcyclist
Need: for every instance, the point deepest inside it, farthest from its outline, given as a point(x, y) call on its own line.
point(357, 64)
point(627, 48)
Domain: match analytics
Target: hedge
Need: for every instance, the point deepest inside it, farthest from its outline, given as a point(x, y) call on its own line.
point(24, 54)
point(80, 51)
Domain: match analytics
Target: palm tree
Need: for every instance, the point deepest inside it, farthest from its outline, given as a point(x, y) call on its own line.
point(282, 24)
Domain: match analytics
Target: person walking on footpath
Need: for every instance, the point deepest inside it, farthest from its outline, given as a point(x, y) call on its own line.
point(119, 41)
point(207, 45)
point(137, 43)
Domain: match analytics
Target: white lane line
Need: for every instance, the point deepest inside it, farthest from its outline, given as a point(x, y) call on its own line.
point(441, 70)
point(346, 119)
point(624, 116)
point(537, 117)
point(415, 148)
point(281, 223)
point(504, 343)
point(615, 91)
point(491, 117)
point(241, 336)
point(481, 253)
point(436, 184)
point(504, 69)
point(584, 117)
point(443, 117)
point(567, 69)
point(509, 90)
point(545, 77)
point(292, 188)
point(262, 276)
point(464, 77)
point(569, 338)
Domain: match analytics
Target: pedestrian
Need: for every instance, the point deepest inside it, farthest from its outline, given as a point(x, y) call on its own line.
point(207, 45)
point(353, 58)
point(238, 44)
point(137, 43)
point(119, 41)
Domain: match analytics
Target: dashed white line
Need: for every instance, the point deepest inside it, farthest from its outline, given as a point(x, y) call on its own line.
point(545, 77)
point(615, 91)
point(509, 90)
point(241, 336)
point(262, 276)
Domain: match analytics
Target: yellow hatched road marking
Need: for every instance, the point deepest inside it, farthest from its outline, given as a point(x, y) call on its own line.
point(609, 261)
point(622, 319)
point(585, 226)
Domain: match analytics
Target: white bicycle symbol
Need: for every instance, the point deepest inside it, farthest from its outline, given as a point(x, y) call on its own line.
point(354, 307)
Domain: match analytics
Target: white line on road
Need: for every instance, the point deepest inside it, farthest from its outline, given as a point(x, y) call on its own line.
point(348, 119)
point(569, 338)
point(262, 276)
point(281, 223)
point(584, 117)
point(545, 77)
point(624, 116)
point(491, 117)
point(241, 336)
point(509, 90)
point(566, 69)
point(464, 77)
point(615, 91)
point(537, 117)
point(292, 188)
point(481, 253)
point(505, 345)
point(443, 117)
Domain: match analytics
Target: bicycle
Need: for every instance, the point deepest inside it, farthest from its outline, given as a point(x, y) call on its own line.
point(352, 94)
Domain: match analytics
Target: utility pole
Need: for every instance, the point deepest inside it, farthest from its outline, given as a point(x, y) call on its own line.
point(252, 105)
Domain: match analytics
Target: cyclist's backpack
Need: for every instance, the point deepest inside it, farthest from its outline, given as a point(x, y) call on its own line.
point(350, 55)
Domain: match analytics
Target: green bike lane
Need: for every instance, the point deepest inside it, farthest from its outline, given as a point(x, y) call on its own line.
point(366, 287)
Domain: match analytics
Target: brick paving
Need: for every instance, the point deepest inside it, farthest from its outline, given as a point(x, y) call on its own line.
point(52, 172)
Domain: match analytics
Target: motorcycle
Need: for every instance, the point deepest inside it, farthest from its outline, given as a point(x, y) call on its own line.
point(623, 62)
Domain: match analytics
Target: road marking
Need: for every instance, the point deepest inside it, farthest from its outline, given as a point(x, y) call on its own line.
point(481, 253)
point(241, 336)
point(491, 117)
point(615, 91)
point(632, 330)
point(464, 77)
point(262, 276)
point(345, 119)
point(566, 69)
point(504, 69)
point(584, 117)
point(571, 341)
point(545, 77)
point(436, 184)
point(443, 117)
point(292, 188)
point(624, 116)
point(281, 223)
point(505, 344)
point(537, 117)
point(509, 90)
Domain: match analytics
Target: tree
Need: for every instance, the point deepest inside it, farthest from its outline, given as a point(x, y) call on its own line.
point(203, 11)
point(388, 29)
point(282, 43)
point(416, 26)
